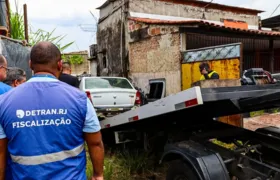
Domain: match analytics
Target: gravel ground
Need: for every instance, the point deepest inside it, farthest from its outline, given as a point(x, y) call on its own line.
point(265, 120)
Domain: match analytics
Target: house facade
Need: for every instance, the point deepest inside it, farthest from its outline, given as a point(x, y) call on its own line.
point(144, 39)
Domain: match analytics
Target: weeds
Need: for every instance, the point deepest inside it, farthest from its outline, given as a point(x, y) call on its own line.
point(125, 165)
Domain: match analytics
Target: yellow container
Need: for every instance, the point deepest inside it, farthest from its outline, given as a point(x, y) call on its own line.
point(227, 69)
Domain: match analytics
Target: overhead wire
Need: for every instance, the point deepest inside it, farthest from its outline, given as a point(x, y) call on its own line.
point(275, 10)
point(208, 4)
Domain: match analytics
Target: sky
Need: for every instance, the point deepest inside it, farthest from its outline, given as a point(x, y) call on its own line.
point(73, 17)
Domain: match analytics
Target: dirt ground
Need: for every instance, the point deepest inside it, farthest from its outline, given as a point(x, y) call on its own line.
point(265, 120)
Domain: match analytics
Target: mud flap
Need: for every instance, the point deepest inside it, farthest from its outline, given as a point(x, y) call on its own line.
point(207, 164)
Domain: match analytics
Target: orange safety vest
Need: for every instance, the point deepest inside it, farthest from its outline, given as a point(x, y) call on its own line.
point(209, 75)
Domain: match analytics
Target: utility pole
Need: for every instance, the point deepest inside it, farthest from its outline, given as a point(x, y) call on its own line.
point(25, 22)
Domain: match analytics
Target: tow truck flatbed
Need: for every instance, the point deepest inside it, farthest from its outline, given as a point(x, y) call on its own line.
point(220, 101)
point(181, 127)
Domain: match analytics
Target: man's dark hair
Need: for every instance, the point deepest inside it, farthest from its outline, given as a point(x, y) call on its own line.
point(204, 65)
point(66, 65)
point(13, 74)
point(44, 53)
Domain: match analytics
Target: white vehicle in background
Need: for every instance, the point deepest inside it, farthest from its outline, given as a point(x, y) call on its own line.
point(110, 95)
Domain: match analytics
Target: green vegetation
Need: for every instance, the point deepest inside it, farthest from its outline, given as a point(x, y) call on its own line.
point(127, 165)
point(73, 59)
point(42, 35)
point(17, 25)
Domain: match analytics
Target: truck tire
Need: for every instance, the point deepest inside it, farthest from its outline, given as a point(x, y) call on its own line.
point(179, 170)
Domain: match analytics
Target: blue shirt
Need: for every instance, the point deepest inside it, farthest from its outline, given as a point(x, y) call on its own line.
point(4, 88)
point(91, 122)
point(54, 138)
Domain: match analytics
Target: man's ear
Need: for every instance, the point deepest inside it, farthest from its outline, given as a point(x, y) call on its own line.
point(16, 83)
point(30, 65)
point(59, 65)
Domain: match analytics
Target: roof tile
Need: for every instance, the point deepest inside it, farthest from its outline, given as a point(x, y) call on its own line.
point(203, 23)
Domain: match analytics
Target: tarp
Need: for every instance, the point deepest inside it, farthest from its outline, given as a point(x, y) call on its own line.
point(3, 13)
point(16, 54)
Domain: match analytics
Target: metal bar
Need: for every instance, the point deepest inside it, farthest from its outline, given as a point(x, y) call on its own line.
point(271, 55)
point(212, 47)
point(25, 22)
point(10, 39)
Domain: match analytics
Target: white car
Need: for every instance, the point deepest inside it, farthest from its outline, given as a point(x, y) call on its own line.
point(110, 94)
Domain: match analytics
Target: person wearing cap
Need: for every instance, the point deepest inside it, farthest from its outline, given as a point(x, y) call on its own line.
point(206, 72)
point(44, 124)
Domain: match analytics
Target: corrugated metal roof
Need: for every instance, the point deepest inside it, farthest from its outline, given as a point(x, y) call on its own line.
point(203, 23)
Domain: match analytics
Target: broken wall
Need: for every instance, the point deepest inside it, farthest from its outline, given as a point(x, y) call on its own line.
point(156, 56)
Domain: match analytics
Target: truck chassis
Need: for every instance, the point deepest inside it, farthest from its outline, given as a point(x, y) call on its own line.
point(182, 128)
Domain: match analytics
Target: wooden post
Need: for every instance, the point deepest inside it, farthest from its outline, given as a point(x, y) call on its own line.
point(25, 22)
point(271, 55)
point(8, 17)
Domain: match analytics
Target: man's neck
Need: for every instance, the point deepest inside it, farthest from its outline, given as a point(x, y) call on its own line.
point(65, 72)
point(45, 73)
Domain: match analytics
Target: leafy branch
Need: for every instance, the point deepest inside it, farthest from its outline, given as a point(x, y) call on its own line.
point(73, 59)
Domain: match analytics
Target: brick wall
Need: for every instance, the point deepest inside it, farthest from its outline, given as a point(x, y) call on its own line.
point(157, 56)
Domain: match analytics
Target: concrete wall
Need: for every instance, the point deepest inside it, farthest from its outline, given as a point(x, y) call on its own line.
point(93, 68)
point(182, 10)
point(78, 69)
point(112, 40)
point(156, 57)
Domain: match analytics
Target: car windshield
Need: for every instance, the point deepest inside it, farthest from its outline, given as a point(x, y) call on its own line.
point(106, 83)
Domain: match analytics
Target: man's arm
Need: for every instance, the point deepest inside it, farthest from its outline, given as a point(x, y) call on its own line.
point(96, 152)
point(93, 139)
point(3, 153)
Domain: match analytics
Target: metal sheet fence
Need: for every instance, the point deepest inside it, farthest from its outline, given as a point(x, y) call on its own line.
point(16, 54)
point(255, 51)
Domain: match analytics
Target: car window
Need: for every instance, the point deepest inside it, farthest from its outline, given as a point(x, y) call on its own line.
point(106, 83)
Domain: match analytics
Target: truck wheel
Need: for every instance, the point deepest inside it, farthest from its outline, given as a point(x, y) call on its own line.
point(178, 170)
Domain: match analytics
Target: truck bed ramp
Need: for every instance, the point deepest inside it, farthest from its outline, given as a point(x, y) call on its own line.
point(212, 102)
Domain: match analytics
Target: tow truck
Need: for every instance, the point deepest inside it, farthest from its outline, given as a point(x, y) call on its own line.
point(183, 128)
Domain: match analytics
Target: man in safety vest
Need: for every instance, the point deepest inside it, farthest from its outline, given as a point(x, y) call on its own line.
point(206, 72)
point(44, 123)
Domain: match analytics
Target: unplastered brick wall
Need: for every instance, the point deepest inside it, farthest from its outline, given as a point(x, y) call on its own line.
point(139, 31)
point(134, 26)
point(156, 57)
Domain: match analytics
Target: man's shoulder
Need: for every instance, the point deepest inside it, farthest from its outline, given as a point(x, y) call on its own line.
point(67, 76)
point(4, 88)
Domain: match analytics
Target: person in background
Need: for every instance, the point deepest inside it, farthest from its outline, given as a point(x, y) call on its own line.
point(44, 123)
point(15, 77)
point(66, 76)
point(206, 72)
point(3, 75)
